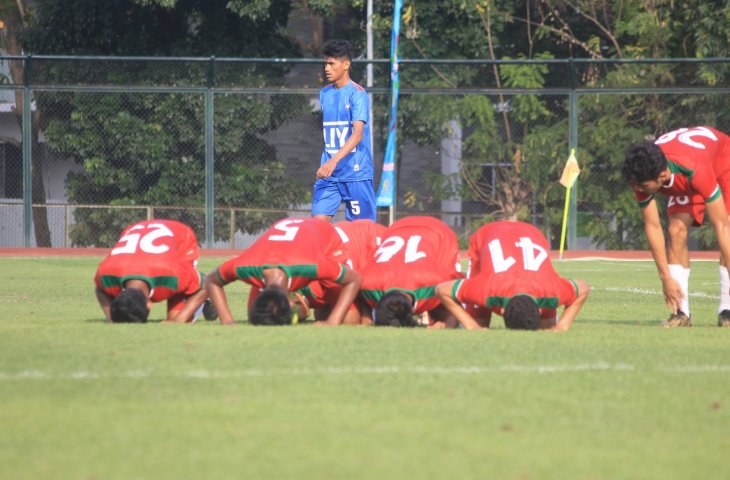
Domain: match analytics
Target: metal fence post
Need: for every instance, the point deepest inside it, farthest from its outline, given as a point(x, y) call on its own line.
point(209, 157)
point(27, 152)
point(572, 239)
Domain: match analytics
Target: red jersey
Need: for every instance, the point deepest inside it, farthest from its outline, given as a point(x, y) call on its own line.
point(512, 258)
point(697, 158)
point(163, 253)
point(361, 238)
point(416, 255)
point(305, 248)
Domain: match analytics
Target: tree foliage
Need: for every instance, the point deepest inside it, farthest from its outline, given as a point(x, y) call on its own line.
point(521, 138)
point(528, 133)
point(148, 149)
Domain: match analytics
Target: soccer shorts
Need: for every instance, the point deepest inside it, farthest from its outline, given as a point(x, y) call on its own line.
point(692, 204)
point(359, 198)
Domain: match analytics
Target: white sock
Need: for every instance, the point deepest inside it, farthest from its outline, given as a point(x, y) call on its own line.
point(681, 275)
point(198, 312)
point(724, 287)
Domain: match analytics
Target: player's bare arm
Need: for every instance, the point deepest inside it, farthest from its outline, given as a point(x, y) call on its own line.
point(105, 302)
point(325, 170)
point(216, 293)
point(440, 318)
point(462, 316)
point(350, 288)
point(655, 237)
point(192, 304)
point(571, 311)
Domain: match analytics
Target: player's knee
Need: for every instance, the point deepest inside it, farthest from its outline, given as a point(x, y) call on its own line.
point(677, 233)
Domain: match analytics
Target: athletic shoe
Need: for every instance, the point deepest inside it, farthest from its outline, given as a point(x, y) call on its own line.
point(209, 311)
point(723, 318)
point(679, 319)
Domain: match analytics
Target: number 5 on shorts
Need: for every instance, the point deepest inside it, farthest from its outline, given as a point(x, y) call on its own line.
point(355, 207)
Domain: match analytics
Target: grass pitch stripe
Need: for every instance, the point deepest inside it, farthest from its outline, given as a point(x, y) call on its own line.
point(337, 371)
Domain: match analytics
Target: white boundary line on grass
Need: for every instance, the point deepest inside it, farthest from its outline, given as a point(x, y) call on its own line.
point(649, 291)
point(339, 371)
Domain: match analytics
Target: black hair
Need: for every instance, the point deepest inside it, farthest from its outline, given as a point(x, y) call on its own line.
point(130, 306)
point(394, 310)
point(337, 49)
point(271, 307)
point(643, 161)
point(521, 313)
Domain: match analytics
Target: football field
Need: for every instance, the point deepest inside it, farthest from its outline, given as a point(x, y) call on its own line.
point(616, 397)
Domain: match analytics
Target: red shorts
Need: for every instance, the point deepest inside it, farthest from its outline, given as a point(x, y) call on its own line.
point(692, 204)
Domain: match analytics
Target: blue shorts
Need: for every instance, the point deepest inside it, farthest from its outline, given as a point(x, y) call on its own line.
point(359, 198)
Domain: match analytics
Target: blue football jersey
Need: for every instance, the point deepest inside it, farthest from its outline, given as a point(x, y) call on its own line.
point(341, 107)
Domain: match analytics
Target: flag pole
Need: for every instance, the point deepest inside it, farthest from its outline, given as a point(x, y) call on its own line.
point(385, 196)
point(565, 220)
point(567, 179)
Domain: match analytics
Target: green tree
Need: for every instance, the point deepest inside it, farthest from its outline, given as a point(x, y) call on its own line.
point(528, 133)
point(148, 148)
point(16, 16)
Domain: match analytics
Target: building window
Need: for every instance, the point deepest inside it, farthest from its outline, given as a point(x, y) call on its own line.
point(11, 171)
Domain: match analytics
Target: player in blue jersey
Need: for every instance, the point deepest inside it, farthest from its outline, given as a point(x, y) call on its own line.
point(345, 173)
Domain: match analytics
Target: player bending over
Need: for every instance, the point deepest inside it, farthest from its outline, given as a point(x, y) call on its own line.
point(417, 253)
point(511, 275)
point(285, 258)
point(152, 261)
point(361, 239)
point(689, 165)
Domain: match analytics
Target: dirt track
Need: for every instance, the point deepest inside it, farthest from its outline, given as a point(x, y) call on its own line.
point(567, 255)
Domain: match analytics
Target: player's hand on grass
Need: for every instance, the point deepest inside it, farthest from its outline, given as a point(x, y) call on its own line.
point(324, 323)
point(673, 295)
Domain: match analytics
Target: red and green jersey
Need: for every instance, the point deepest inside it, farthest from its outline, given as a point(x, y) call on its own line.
point(163, 253)
point(508, 259)
point(697, 158)
point(361, 239)
point(417, 253)
point(305, 249)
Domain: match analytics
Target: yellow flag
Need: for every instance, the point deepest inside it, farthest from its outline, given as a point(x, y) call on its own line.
point(571, 170)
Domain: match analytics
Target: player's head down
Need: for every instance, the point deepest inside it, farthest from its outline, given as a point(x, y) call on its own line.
point(521, 313)
point(271, 307)
point(643, 161)
point(395, 309)
point(130, 306)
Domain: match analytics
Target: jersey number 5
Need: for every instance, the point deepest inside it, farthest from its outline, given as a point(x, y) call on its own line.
point(288, 231)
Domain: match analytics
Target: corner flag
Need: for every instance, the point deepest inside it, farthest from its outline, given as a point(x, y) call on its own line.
point(567, 179)
point(570, 171)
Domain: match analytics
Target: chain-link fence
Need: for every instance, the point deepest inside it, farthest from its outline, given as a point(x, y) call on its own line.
point(89, 145)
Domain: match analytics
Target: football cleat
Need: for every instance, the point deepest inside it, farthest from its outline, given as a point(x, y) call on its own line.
point(723, 318)
point(209, 311)
point(679, 319)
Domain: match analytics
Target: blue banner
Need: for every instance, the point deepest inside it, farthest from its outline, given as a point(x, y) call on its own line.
point(386, 192)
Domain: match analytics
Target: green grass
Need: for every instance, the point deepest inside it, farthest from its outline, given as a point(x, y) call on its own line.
point(615, 397)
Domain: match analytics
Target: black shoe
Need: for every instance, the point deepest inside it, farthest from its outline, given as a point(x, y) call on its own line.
point(723, 318)
point(679, 319)
point(209, 311)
